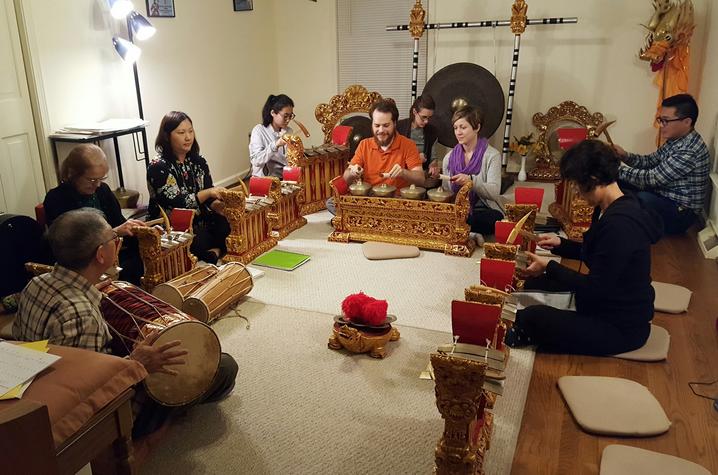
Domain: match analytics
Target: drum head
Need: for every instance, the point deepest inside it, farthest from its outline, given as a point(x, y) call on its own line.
point(169, 294)
point(196, 375)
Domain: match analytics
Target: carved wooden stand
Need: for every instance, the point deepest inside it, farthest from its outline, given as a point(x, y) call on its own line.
point(163, 260)
point(319, 165)
point(425, 224)
point(250, 227)
point(462, 403)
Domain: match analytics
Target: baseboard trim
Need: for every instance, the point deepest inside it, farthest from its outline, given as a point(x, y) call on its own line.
point(232, 179)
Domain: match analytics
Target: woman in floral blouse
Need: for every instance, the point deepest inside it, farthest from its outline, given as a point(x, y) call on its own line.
point(179, 178)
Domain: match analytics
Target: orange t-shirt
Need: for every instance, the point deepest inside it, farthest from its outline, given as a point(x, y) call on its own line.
point(376, 161)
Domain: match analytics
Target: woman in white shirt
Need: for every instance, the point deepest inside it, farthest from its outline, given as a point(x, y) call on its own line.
point(267, 149)
point(474, 160)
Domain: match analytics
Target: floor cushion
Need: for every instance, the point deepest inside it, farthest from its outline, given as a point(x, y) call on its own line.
point(624, 460)
point(655, 349)
point(613, 406)
point(671, 298)
point(384, 250)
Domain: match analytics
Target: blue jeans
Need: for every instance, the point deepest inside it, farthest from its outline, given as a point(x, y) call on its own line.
point(676, 219)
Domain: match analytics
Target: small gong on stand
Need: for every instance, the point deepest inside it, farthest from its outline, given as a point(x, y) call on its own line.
point(362, 338)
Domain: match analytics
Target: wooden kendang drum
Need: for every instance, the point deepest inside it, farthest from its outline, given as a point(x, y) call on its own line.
point(132, 313)
point(164, 255)
point(251, 225)
point(176, 290)
point(227, 287)
point(426, 224)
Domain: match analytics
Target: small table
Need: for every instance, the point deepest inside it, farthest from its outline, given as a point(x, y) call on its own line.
point(97, 138)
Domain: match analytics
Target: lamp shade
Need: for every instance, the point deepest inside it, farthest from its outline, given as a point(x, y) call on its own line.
point(127, 51)
point(141, 27)
point(120, 8)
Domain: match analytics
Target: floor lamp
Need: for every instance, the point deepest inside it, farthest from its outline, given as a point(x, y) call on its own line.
point(140, 28)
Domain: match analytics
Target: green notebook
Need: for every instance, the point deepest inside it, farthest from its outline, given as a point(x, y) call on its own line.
point(278, 259)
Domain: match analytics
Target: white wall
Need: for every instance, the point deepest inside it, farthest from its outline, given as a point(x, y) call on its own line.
point(306, 57)
point(209, 61)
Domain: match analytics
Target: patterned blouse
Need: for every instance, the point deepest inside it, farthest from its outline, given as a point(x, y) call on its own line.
point(175, 185)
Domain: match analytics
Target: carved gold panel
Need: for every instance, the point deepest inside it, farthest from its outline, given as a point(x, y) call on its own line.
point(355, 98)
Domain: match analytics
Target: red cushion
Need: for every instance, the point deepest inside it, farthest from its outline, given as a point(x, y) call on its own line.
point(292, 174)
point(40, 215)
point(567, 138)
point(474, 322)
point(502, 229)
point(181, 219)
point(260, 185)
point(525, 195)
point(340, 184)
point(340, 134)
point(497, 273)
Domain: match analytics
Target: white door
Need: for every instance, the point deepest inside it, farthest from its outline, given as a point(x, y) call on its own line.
point(21, 185)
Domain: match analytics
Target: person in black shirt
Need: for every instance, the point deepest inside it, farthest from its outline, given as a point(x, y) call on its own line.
point(614, 301)
point(179, 178)
point(83, 175)
point(419, 128)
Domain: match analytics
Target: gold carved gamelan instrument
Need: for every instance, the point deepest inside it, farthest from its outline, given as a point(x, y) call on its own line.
point(251, 224)
point(165, 253)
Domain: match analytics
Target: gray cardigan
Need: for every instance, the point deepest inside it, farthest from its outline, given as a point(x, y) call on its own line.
point(487, 184)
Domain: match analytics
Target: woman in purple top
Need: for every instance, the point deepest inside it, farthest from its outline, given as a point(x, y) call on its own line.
point(474, 160)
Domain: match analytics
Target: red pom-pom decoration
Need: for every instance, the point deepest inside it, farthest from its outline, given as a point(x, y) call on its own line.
point(361, 308)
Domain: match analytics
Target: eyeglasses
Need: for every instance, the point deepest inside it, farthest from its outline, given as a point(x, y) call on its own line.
point(288, 116)
point(662, 121)
point(95, 180)
point(115, 237)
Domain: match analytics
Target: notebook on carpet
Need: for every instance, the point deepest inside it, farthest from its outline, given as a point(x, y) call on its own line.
point(279, 259)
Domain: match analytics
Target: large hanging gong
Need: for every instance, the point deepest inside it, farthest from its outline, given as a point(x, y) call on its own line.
point(460, 84)
point(361, 124)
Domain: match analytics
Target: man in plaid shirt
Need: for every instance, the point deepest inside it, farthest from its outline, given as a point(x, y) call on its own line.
point(63, 306)
point(673, 180)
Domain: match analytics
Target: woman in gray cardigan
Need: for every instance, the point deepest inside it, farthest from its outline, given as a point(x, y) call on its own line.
point(473, 159)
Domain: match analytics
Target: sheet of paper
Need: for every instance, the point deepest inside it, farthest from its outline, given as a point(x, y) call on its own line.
point(19, 390)
point(18, 364)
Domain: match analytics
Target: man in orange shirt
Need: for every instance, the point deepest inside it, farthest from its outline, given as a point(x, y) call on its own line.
point(388, 157)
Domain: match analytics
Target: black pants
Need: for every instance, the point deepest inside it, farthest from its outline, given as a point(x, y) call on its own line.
point(130, 261)
point(483, 220)
point(210, 231)
point(153, 414)
point(568, 331)
point(676, 219)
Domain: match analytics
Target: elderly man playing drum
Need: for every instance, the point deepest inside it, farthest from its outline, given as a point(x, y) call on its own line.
point(63, 306)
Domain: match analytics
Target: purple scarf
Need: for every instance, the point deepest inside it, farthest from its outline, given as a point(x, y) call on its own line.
point(457, 164)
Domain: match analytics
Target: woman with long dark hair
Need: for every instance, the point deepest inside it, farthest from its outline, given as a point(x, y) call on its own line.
point(179, 178)
point(266, 147)
point(614, 301)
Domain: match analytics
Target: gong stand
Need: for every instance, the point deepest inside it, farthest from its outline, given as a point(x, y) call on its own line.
point(518, 23)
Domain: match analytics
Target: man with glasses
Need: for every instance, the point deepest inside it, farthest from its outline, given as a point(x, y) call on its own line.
point(63, 306)
point(673, 180)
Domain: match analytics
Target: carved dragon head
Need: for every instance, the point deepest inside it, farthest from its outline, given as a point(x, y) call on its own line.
point(670, 27)
point(295, 148)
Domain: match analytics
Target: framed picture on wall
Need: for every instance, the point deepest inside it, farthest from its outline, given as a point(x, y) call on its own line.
point(242, 5)
point(161, 8)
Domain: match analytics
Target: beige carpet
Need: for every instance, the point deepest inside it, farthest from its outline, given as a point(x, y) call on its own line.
point(301, 408)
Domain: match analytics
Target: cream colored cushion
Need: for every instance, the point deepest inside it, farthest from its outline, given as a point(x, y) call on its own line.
point(383, 250)
point(671, 298)
point(624, 460)
point(613, 406)
point(655, 349)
